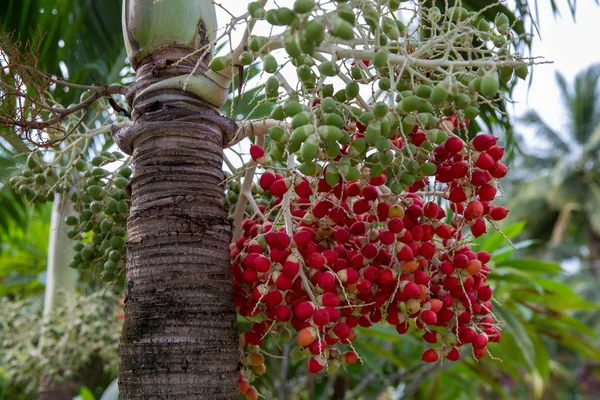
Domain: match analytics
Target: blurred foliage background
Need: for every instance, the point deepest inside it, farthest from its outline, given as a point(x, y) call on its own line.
point(549, 349)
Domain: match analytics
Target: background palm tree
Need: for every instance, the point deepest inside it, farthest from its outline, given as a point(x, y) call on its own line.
point(563, 198)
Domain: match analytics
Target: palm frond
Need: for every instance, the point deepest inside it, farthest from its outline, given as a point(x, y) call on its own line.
point(546, 133)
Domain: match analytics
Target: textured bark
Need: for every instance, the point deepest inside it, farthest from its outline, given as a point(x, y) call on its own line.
point(50, 390)
point(180, 336)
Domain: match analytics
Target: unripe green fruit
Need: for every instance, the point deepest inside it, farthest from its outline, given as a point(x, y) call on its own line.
point(272, 84)
point(328, 105)
point(394, 4)
point(346, 12)
point(117, 242)
point(301, 119)
point(425, 107)
point(292, 48)
point(71, 220)
point(410, 103)
point(352, 90)
point(351, 173)
point(366, 117)
point(256, 43)
point(383, 144)
point(370, 15)
point(437, 136)
point(332, 149)
point(522, 71)
point(310, 148)
point(95, 191)
point(373, 132)
point(330, 133)
point(96, 206)
point(385, 84)
point(332, 176)
point(356, 73)
point(506, 74)
point(300, 134)
point(428, 169)
point(423, 91)
point(357, 148)
point(303, 6)
point(380, 59)
point(340, 96)
point(489, 86)
point(389, 27)
point(291, 108)
point(407, 178)
point(314, 31)
point(246, 58)
point(380, 109)
point(304, 72)
point(123, 207)
point(458, 13)
point(256, 10)
point(219, 63)
point(277, 113)
point(439, 94)
point(328, 68)
point(499, 41)
point(502, 23)
point(120, 182)
point(334, 119)
point(310, 168)
point(80, 165)
point(462, 101)
point(342, 29)
point(327, 90)
point(471, 112)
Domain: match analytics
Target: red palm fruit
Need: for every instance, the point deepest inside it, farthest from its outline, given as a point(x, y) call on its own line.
point(334, 314)
point(453, 145)
point(484, 256)
point(358, 228)
point(348, 276)
point(261, 264)
point(459, 170)
point(457, 195)
point(428, 250)
point(327, 282)
point(244, 385)
point(383, 208)
point(256, 152)
point(444, 174)
point(430, 337)
point(466, 335)
point(484, 161)
point(329, 299)
point(341, 235)
point(421, 277)
point(361, 206)
point(484, 293)
point(430, 355)
point(402, 327)
point(253, 338)
point(352, 189)
point(342, 330)
point(496, 152)
point(479, 178)
point(266, 180)
point(303, 237)
point(283, 313)
point(317, 347)
point(387, 238)
point(252, 393)
point(395, 225)
point(303, 189)
point(493, 334)
point(378, 180)
point(306, 336)
point(282, 282)
point(316, 364)
point(486, 192)
point(479, 353)
point(498, 170)
point(464, 317)
point(451, 282)
point(405, 253)
point(249, 276)
point(453, 355)
point(371, 273)
point(291, 267)
point(446, 268)
point(320, 317)
point(483, 141)
point(443, 231)
point(478, 228)
point(350, 357)
point(411, 290)
point(480, 341)
point(428, 317)
point(338, 215)
point(414, 211)
point(436, 305)
point(369, 251)
point(498, 213)
point(321, 208)
point(351, 320)
point(474, 210)
point(369, 192)
point(330, 257)
point(304, 310)
point(386, 276)
point(316, 260)
point(323, 186)
point(272, 298)
point(364, 321)
point(474, 266)
point(364, 286)
point(431, 209)
point(280, 187)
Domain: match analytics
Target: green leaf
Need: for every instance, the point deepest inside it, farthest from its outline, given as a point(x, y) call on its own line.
point(519, 333)
point(380, 351)
point(86, 394)
point(496, 240)
point(531, 265)
point(368, 358)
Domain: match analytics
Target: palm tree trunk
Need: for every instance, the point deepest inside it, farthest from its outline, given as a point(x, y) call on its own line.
point(61, 280)
point(179, 339)
point(594, 252)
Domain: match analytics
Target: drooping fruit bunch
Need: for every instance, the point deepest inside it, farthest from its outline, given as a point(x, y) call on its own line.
point(364, 210)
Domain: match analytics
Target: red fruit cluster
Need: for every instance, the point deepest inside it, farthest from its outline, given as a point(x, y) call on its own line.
point(354, 254)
